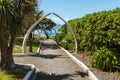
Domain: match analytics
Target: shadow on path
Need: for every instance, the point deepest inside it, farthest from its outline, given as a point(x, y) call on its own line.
point(51, 46)
point(49, 56)
point(54, 76)
point(45, 56)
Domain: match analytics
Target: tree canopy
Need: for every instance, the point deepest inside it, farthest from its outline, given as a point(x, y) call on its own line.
point(12, 13)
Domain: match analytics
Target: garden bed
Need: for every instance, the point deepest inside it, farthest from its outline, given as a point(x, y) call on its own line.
point(101, 75)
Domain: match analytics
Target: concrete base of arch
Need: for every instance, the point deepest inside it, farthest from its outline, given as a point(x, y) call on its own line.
point(37, 22)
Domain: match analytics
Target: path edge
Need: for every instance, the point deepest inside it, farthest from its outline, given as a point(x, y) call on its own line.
point(81, 64)
point(29, 73)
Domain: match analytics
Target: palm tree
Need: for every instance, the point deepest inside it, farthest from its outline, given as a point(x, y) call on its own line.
point(12, 13)
point(6, 18)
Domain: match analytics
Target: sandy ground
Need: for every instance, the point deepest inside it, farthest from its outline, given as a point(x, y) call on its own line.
point(53, 64)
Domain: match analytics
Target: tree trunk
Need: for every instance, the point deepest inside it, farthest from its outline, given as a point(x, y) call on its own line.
point(3, 49)
point(6, 52)
point(47, 36)
point(10, 50)
point(30, 42)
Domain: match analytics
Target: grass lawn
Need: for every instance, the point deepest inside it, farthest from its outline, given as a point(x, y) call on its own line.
point(18, 45)
point(19, 50)
point(17, 73)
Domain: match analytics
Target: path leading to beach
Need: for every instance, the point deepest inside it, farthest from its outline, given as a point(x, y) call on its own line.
point(53, 64)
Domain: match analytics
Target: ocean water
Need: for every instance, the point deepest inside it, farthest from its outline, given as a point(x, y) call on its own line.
point(52, 33)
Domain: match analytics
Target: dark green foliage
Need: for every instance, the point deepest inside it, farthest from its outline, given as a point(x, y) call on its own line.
point(64, 37)
point(93, 31)
point(105, 59)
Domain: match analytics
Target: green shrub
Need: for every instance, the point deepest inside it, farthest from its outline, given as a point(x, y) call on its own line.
point(93, 31)
point(68, 43)
point(105, 59)
point(65, 38)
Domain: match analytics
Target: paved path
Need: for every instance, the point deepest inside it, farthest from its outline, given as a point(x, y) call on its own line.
point(53, 64)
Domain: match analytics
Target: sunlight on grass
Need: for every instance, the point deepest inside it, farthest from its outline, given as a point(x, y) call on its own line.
point(27, 49)
point(4, 76)
point(16, 73)
point(18, 46)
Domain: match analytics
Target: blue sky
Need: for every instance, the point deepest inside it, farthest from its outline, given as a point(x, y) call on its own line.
point(70, 9)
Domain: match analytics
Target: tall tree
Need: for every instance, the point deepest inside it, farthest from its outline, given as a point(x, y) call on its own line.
point(12, 13)
point(6, 17)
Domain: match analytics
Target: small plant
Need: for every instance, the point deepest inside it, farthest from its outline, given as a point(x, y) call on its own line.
point(105, 59)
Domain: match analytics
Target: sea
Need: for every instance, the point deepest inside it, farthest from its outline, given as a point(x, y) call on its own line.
point(52, 33)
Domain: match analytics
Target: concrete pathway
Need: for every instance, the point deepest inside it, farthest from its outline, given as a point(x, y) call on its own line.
point(53, 64)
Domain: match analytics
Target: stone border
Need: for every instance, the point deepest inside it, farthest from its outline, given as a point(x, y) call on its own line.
point(29, 73)
point(83, 66)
